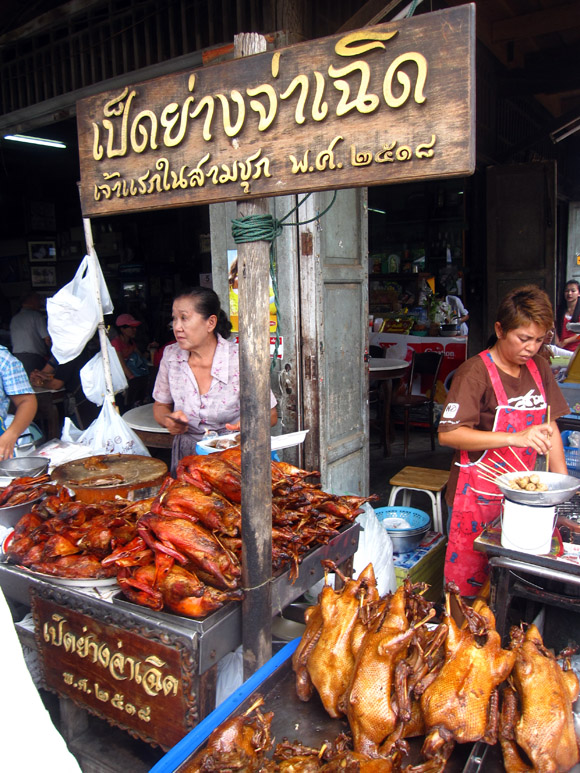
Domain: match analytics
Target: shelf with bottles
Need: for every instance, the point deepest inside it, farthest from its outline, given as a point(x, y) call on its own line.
point(394, 292)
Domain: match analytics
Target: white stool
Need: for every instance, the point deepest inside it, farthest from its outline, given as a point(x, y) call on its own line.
point(430, 482)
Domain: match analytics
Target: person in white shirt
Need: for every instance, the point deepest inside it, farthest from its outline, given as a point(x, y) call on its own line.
point(29, 334)
point(456, 305)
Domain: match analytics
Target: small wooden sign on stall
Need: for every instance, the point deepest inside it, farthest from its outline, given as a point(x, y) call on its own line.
point(124, 674)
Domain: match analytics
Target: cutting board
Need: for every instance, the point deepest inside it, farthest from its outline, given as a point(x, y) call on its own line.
point(98, 478)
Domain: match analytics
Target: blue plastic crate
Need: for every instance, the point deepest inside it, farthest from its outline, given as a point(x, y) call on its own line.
point(416, 519)
point(572, 455)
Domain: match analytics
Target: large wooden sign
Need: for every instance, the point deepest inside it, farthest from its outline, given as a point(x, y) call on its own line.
point(130, 678)
point(389, 103)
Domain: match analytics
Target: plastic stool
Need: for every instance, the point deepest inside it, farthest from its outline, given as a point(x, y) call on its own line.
point(431, 482)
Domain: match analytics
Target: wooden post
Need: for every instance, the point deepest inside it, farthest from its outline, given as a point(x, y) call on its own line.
point(93, 263)
point(253, 303)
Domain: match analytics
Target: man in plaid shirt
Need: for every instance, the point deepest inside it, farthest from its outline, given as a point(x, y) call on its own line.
point(14, 385)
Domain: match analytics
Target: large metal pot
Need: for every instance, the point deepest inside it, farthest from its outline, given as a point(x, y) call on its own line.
point(561, 488)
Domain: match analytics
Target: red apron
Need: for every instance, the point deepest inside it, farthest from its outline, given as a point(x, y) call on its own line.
point(478, 501)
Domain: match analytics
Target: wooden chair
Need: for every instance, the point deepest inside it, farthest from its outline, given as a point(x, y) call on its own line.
point(426, 365)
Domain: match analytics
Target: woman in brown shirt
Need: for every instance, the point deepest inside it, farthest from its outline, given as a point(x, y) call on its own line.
point(497, 407)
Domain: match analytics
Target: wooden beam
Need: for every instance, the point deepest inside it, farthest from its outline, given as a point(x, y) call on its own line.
point(64, 106)
point(372, 12)
point(47, 21)
point(254, 321)
point(559, 18)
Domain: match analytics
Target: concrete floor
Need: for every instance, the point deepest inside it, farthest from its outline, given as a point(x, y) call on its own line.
point(382, 468)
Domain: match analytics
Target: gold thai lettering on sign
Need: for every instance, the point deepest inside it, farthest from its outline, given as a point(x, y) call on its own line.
point(117, 700)
point(126, 129)
point(384, 104)
point(147, 672)
point(164, 178)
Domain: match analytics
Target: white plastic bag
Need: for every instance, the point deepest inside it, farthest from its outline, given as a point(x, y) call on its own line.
point(375, 546)
point(61, 451)
point(230, 674)
point(73, 312)
point(93, 376)
point(110, 434)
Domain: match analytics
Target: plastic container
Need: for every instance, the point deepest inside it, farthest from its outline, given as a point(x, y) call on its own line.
point(572, 455)
point(527, 529)
point(204, 447)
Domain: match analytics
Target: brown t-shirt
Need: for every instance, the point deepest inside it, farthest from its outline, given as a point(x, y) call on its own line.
point(471, 402)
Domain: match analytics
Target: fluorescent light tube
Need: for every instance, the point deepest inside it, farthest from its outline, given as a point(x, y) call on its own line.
point(35, 140)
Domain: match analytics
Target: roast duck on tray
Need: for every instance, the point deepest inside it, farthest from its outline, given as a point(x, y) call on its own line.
point(386, 669)
point(181, 549)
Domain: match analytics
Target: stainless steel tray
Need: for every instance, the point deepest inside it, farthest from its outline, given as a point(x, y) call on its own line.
point(310, 724)
point(221, 631)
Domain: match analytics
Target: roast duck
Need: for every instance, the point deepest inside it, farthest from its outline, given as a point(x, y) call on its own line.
point(376, 663)
point(180, 550)
point(25, 489)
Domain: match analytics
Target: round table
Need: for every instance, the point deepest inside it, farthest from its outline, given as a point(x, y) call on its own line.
point(386, 369)
point(142, 421)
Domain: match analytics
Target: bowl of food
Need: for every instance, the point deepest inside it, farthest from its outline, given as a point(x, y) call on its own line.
point(212, 445)
point(10, 514)
point(24, 467)
point(543, 489)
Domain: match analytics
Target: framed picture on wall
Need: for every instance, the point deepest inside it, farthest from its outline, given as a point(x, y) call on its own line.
point(41, 252)
point(43, 276)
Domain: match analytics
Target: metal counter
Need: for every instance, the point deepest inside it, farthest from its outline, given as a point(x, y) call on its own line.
point(213, 636)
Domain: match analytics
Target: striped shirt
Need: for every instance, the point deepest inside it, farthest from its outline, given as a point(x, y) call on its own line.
point(13, 380)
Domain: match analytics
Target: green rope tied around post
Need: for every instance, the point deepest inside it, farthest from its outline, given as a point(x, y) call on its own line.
point(412, 9)
point(257, 228)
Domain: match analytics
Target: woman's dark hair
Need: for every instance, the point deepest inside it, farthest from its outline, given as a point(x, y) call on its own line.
point(523, 305)
point(206, 303)
point(563, 306)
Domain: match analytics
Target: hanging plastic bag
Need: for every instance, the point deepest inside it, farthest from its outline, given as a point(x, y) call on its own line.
point(375, 546)
point(74, 313)
point(93, 376)
point(110, 434)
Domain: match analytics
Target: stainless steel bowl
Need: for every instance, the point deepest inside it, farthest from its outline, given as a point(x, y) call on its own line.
point(449, 329)
point(406, 540)
point(24, 467)
point(561, 488)
point(9, 516)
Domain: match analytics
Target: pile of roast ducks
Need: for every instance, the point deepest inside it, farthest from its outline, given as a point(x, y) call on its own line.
point(382, 665)
point(181, 549)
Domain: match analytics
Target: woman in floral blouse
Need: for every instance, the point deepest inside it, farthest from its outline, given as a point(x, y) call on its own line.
point(198, 384)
